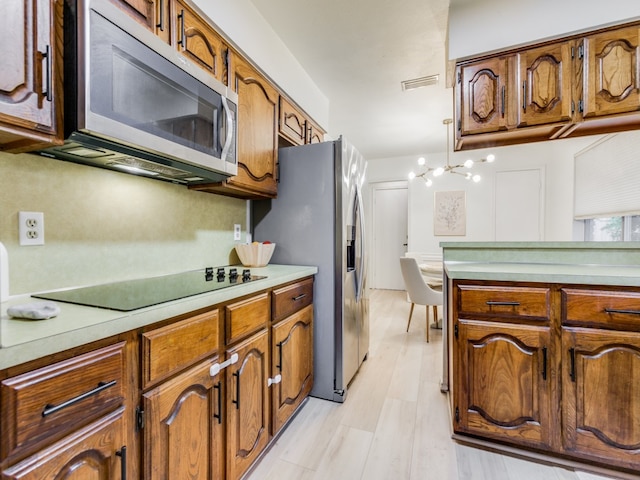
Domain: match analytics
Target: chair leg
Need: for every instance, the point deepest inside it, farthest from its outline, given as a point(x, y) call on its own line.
point(435, 315)
point(427, 315)
point(410, 313)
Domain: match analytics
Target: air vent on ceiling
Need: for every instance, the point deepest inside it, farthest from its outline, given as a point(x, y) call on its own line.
point(420, 82)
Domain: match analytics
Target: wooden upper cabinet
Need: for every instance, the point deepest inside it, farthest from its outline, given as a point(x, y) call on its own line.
point(546, 79)
point(144, 11)
point(482, 102)
point(199, 42)
point(31, 74)
point(314, 133)
point(292, 124)
point(257, 131)
point(611, 72)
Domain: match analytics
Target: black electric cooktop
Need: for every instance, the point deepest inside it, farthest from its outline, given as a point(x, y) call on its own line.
point(133, 294)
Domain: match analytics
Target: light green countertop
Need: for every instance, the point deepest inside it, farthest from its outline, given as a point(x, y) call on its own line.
point(591, 263)
point(621, 275)
point(24, 340)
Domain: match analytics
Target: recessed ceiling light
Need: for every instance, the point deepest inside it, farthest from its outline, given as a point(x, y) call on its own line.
point(420, 82)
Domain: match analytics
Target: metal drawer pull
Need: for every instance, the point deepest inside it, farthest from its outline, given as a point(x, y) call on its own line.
point(48, 93)
point(237, 400)
point(630, 312)
point(508, 304)
point(572, 356)
point(49, 409)
point(274, 380)
point(216, 367)
point(122, 453)
point(544, 363)
point(302, 295)
point(218, 388)
point(279, 365)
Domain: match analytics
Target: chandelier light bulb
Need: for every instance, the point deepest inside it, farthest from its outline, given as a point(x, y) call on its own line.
point(428, 182)
point(412, 175)
point(438, 171)
point(468, 163)
point(476, 178)
point(491, 157)
point(421, 161)
point(468, 175)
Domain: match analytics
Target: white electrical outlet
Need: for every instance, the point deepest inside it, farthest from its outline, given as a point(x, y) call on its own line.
point(31, 228)
point(237, 232)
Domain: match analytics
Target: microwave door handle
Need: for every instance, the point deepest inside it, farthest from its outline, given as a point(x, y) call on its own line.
point(229, 129)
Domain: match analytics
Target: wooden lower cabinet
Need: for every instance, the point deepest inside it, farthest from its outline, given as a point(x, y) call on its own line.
point(601, 395)
point(183, 433)
point(247, 404)
point(568, 385)
point(503, 382)
point(96, 452)
point(292, 347)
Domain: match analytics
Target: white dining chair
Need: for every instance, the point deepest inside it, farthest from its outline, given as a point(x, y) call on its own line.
point(418, 290)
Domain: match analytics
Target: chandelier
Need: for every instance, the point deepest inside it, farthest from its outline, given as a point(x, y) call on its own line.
point(432, 172)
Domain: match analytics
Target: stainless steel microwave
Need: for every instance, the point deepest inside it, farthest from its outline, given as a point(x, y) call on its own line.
point(135, 104)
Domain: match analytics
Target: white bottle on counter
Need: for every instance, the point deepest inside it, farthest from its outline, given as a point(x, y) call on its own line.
point(4, 274)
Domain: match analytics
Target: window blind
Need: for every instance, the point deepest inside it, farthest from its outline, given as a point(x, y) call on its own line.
point(607, 177)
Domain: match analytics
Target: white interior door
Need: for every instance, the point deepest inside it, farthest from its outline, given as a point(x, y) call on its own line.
point(519, 205)
point(390, 233)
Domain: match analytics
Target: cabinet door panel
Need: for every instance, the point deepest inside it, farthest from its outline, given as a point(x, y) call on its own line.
point(142, 10)
point(612, 62)
point(92, 453)
point(601, 392)
point(30, 78)
point(292, 344)
point(183, 429)
point(546, 77)
point(292, 125)
point(503, 372)
point(248, 404)
point(483, 90)
point(257, 131)
point(200, 42)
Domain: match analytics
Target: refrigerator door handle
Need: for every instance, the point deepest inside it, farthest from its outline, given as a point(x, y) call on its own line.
point(360, 269)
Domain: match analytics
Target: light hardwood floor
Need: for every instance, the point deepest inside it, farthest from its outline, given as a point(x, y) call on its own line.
point(394, 424)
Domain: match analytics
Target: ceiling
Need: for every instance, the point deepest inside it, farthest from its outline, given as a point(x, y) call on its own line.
point(358, 52)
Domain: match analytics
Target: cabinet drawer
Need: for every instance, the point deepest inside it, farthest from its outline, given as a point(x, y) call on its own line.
point(504, 301)
point(290, 299)
point(171, 348)
point(50, 402)
point(605, 308)
point(245, 317)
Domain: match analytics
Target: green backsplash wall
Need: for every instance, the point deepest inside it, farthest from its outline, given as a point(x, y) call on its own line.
point(103, 226)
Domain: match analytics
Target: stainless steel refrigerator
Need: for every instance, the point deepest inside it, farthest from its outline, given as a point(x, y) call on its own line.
point(318, 219)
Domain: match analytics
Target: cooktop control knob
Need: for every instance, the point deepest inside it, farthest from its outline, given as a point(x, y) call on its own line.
point(233, 275)
point(246, 275)
point(208, 274)
point(220, 274)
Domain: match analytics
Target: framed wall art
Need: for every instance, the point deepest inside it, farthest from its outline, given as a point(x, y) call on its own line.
point(449, 215)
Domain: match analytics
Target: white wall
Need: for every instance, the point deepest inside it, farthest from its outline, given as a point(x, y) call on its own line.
point(556, 157)
point(480, 27)
point(240, 21)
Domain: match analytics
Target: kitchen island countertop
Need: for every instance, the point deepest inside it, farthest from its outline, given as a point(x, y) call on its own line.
point(24, 340)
